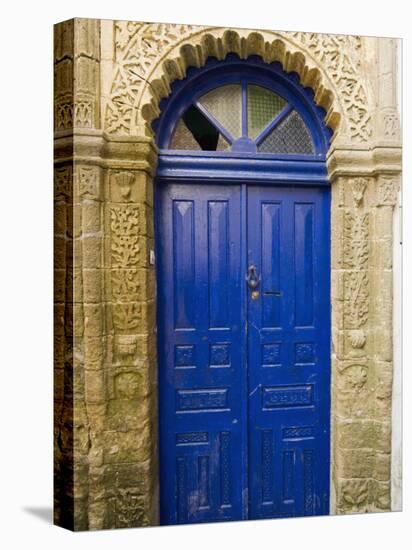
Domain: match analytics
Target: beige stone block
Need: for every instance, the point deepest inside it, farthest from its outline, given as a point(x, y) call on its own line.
point(383, 222)
point(132, 384)
point(383, 432)
point(94, 386)
point(60, 223)
point(74, 253)
point(96, 414)
point(382, 254)
point(337, 285)
point(338, 343)
point(146, 226)
point(380, 495)
point(92, 252)
point(126, 415)
point(59, 312)
point(92, 281)
point(79, 397)
point(131, 446)
point(355, 463)
point(93, 320)
point(383, 467)
point(75, 284)
point(96, 515)
point(58, 350)
point(356, 434)
point(384, 375)
point(338, 319)
point(59, 280)
point(353, 404)
point(336, 254)
point(383, 345)
point(91, 216)
point(74, 220)
point(58, 384)
point(94, 352)
point(128, 475)
point(74, 320)
point(352, 495)
point(59, 253)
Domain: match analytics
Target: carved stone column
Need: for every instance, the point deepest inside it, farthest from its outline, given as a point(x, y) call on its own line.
point(130, 436)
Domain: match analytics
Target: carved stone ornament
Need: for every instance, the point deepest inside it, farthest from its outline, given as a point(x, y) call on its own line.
point(354, 493)
point(357, 338)
point(62, 182)
point(124, 180)
point(391, 125)
point(149, 57)
point(88, 181)
point(358, 189)
point(126, 317)
point(126, 345)
point(125, 283)
point(387, 190)
point(355, 377)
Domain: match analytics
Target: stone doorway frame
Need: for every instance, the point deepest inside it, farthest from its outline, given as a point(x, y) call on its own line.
point(110, 77)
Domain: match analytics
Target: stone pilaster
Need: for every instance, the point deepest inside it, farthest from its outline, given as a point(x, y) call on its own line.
point(77, 259)
point(130, 436)
point(364, 191)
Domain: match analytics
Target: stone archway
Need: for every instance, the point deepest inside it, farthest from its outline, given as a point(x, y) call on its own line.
point(118, 89)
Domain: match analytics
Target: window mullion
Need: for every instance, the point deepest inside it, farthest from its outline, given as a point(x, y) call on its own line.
point(244, 109)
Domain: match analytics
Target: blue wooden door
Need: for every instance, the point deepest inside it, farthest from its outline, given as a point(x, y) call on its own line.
point(202, 376)
point(243, 341)
point(289, 352)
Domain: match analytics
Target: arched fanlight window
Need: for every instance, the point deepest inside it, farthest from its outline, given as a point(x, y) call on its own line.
point(242, 116)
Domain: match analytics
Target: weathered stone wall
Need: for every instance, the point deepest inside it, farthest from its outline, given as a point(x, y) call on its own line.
point(109, 80)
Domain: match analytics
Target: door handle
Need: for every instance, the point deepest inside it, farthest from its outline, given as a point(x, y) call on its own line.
point(252, 278)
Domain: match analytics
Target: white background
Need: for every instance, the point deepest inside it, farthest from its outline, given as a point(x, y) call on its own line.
point(26, 274)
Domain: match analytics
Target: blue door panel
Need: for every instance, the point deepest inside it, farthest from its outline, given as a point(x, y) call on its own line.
point(202, 375)
point(288, 352)
point(243, 379)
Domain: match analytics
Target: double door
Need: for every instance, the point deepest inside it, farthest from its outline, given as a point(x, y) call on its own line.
point(244, 351)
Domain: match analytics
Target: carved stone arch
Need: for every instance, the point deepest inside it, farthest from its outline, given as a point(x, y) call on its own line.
point(145, 73)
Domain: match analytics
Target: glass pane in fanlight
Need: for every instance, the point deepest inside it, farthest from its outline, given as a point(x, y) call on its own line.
point(194, 132)
point(225, 105)
point(222, 144)
point(262, 107)
point(183, 138)
point(290, 136)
